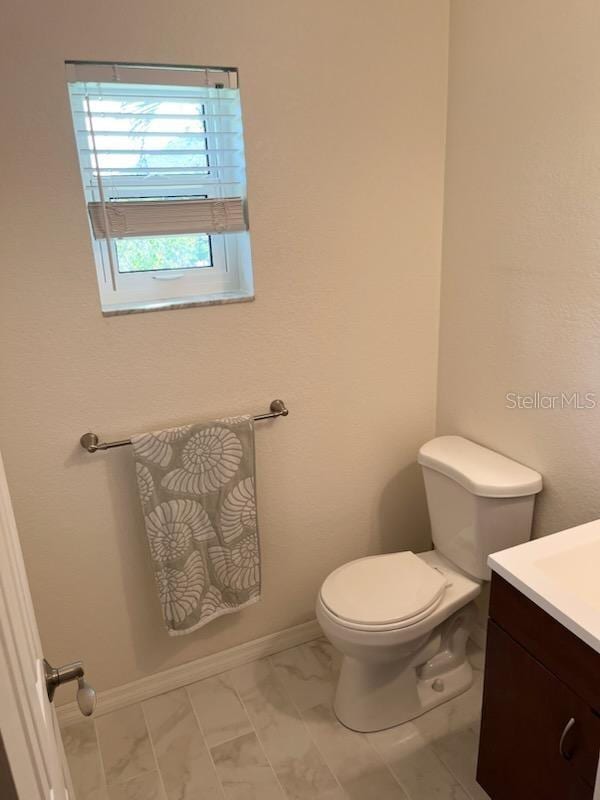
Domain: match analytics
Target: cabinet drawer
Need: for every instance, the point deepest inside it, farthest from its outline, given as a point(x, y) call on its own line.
point(525, 711)
point(563, 653)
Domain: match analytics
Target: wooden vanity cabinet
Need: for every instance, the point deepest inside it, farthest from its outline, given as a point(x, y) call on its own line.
point(538, 677)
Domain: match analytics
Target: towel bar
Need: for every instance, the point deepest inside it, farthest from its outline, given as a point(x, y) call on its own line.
point(91, 442)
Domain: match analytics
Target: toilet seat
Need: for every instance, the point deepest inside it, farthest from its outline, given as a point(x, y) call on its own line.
point(383, 592)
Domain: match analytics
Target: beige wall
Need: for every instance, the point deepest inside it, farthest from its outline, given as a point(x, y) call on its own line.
point(344, 106)
point(521, 266)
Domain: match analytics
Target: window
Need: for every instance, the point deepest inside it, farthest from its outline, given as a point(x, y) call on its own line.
point(162, 163)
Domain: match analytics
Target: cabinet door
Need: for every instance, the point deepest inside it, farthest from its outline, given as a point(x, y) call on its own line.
point(525, 712)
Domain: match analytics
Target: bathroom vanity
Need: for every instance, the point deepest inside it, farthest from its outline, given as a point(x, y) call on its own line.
point(540, 733)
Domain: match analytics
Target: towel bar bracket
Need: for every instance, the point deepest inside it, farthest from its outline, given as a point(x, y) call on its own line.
point(91, 442)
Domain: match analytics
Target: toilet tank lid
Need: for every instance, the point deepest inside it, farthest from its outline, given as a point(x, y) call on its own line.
point(481, 471)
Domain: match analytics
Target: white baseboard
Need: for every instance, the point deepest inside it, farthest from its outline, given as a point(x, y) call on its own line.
point(165, 681)
point(479, 636)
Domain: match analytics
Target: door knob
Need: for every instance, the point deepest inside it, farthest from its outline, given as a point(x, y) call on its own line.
point(56, 676)
point(86, 697)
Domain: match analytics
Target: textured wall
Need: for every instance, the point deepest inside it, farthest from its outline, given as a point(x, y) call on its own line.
point(344, 106)
point(521, 275)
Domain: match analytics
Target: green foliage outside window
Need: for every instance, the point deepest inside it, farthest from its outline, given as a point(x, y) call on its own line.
point(163, 252)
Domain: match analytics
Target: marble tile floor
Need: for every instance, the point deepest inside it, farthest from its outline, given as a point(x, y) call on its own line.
point(266, 731)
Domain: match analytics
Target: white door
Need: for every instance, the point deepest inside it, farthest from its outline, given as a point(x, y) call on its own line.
point(27, 720)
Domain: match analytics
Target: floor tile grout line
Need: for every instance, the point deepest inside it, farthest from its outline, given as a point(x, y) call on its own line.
point(473, 728)
point(228, 740)
point(153, 748)
point(383, 762)
point(103, 778)
point(306, 728)
point(258, 739)
point(125, 781)
point(388, 767)
point(442, 763)
point(429, 745)
point(234, 690)
point(138, 774)
point(202, 734)
point(452, 772)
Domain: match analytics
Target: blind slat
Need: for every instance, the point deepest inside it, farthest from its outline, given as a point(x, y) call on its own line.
point(141, 97)
point(166, 217)
point(135, 134)
point(133, 151)
point(151, 115)
point(199, 188)
point(80, 71)
point(176, 170)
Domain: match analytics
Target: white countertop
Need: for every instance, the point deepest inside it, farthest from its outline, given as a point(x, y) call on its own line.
point(561, 574)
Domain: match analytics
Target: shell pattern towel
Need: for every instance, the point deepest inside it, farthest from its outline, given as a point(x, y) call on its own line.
point(196, 486)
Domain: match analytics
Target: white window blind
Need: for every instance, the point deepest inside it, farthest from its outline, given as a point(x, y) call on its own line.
point(164, 217)
point(176, 148)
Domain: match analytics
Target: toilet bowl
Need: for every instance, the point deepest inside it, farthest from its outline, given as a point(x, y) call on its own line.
point(402, 620)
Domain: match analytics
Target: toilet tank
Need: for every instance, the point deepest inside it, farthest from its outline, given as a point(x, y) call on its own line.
point(479, 501)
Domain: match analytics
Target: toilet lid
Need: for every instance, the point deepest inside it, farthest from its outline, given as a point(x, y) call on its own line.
point(382, 590)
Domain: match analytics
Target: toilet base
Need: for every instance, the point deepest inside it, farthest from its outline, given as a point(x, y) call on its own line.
point(376, 696)
point(392, 676)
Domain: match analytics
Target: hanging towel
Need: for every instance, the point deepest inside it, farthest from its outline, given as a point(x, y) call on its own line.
point(196, 486)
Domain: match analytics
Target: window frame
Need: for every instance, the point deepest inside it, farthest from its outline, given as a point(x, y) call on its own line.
point(231, 271)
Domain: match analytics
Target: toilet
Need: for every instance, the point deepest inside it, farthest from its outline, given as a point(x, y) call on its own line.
point(402, 620)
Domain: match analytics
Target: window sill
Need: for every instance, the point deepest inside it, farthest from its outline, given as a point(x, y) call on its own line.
point(186, 302)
